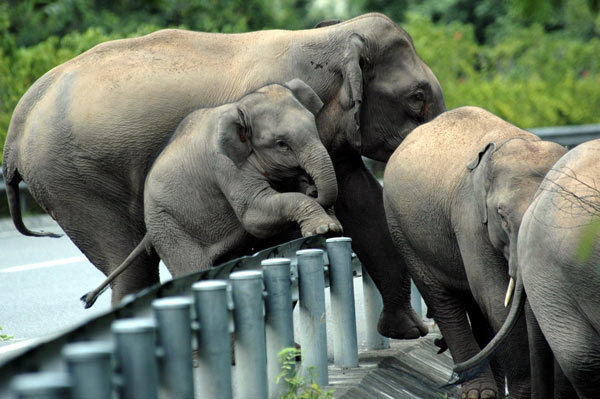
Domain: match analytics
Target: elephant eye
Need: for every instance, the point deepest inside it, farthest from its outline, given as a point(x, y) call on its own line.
point(282, 145)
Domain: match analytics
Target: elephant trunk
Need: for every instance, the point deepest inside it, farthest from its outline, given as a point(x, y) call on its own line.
point(315, 160)
point(469, 369)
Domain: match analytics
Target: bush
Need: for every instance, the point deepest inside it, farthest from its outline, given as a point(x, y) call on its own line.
point(531, 78)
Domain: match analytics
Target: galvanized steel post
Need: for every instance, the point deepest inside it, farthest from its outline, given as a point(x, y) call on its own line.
point(175, 339)
point(373, 305)
point(250, 351)
point(46, 385)
point(313, 333)
point(135, 341)
point(279, 323)
point(214, 342)
point(341, 289)
point(90, 369)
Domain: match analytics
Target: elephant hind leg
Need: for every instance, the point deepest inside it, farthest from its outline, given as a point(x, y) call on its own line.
point(107, 234)
point(449, 310)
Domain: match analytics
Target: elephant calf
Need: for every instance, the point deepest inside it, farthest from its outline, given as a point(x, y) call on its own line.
point(454, 194)
point(209, 195)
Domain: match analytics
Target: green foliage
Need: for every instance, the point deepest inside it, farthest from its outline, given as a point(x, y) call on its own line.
point(589, 240)
point(298, 386)
point(5, 337)
point(532, 78)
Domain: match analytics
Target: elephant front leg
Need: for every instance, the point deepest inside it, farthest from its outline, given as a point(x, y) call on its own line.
point(269, 213)
point(360, 209)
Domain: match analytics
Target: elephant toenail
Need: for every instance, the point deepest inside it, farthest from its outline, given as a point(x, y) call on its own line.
point(473, 394)
point(488, 394)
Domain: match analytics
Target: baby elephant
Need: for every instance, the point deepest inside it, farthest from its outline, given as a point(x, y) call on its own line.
point(454, 194)
point(209, 195)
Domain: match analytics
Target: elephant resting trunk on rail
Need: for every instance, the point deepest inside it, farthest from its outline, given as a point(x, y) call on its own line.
point(85, 135)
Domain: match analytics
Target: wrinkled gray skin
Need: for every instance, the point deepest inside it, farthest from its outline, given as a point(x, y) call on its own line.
point(562, 286)
point(85, 134)
point(454, 193)
point(209, 195)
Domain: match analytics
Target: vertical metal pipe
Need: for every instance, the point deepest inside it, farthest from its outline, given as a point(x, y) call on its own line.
point(373, 305)
point(214, 342)
point(45, 385)
point(250, 351)
point(313, 334)
point(175, 339)
point(415, 299)
point(135, 341)
point(279, 327)
point(341, 289)
point(90, 368)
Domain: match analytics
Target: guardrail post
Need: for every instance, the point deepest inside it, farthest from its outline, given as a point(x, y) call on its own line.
point(214, 342)
point(90, 368)
point(345, 345)
point(313, 333)
point(373, 305)
point(45, 385)
point(175, 338)
point(136, 357)
point(250, 351)
point(279, 324)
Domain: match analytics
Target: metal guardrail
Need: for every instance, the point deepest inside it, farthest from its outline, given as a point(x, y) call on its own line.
point(569, 136)
point(91, 344)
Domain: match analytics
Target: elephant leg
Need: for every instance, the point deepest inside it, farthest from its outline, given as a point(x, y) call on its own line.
point(107, 234)
point(448, 309)
point(574, 341)
point(483, 334)
point(541, 359)
point(359, 207)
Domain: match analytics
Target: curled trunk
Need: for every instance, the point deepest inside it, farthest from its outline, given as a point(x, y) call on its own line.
point(315, 160)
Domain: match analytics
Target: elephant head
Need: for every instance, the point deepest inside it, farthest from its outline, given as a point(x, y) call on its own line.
point(387, 89)
point(273, 131)
point(505, 178)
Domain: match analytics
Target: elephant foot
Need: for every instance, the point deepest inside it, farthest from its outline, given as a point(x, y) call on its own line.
point(479, 389)
point(401, 324)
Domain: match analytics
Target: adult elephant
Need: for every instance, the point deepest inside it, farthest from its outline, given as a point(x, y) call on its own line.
point(455, 192)
point(562, 281)
point(85, 134)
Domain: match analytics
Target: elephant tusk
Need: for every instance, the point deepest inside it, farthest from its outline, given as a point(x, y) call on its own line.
point(509, 292)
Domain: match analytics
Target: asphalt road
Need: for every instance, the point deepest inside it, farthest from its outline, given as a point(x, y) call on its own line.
point(41, 281)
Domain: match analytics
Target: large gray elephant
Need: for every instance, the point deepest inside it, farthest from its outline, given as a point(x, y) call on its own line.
point(454, 193)
point(562, 280)
point(209, 193)
point(85, 134)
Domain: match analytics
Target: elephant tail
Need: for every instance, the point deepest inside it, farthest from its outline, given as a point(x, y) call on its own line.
point(467, 370)
point(89, 298)
point(13, 194)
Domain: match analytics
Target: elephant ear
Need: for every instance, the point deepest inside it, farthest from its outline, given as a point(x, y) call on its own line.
point(351, 95)
point(478, 168)
point(306, 95)
point(233, 134)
